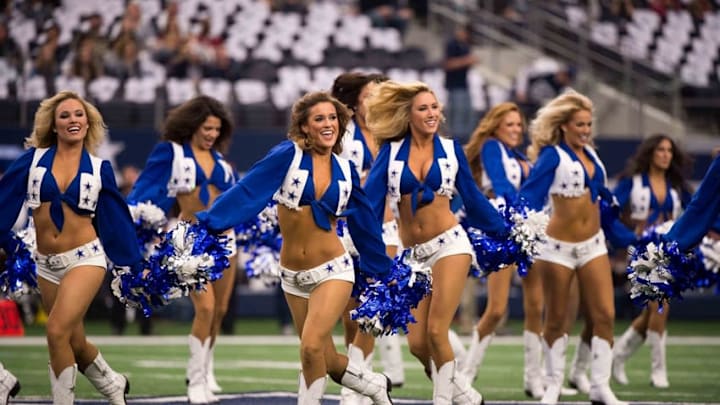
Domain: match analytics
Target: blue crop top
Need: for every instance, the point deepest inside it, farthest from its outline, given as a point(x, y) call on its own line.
point(558, 170)
point(635, 192)
point(171, 168)
point(501, 169)
point(84, 196)
point(265, 182)
point(701, 213)
point(355, 149)
point(449, 173)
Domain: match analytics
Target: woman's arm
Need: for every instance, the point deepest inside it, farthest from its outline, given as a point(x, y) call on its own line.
point(243, 201)
point(491, 156)
point(13, 187)
point(535, 189)
point(152, 184)
point(376, 183)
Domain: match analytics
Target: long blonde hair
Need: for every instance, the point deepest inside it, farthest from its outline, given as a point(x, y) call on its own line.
point(484, 130)
point(44, 135)
point(546, 129)
point(388, 109)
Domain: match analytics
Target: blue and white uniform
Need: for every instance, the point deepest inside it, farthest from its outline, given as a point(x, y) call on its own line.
point(701, 214)
point(391, 177)
point(635, 193)
point(344, 197)
point(356, 150)
point(559, 171)
point(171, 169)
point(93, 192)
point(502, 172)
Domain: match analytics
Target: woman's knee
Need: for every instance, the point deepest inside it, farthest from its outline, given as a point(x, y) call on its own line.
point(419, 350)
point(311, 348)
point(57, 333)
point(205, 310)
point(603, 320)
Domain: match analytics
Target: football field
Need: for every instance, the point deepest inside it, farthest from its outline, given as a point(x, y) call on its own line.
point(264, 369)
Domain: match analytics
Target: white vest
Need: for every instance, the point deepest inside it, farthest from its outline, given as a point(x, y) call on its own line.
point(569, 178)
point(513, 171)
point(183, 177)
point(640, 200)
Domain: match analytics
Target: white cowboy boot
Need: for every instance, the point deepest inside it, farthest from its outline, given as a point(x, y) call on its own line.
point(600, 369)
point(554, 369)
point(450, 386)
point(313, 394)
point(628, 343)
point(366, 382)
point(578, 378)
point(111, 384)
point(391, 358)
point(63, 386)
point(532, 376)
point(347, 395)
point(196, 375)
point(9, 385)
point(458, 348)
point(475, 355)
point(210, 365)
point(658, 370)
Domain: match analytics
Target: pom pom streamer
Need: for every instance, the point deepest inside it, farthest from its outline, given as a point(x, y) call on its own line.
point(385, 304)
point(262, 240)
point(20, 274)
point(710, 249)
point(525, 230)
point(188, 257)
point(659, 271)
point(149, 222)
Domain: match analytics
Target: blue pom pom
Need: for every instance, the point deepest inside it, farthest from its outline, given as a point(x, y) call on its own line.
point(385, 304)
point(20, 274)
point(188, 257)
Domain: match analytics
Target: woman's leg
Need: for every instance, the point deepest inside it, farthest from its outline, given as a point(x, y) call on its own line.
point(597, 290)
point(627, 345)
point(223, 288)
point(656, 336)
point(66, 305)
point(533, 309)
point(498, 290)
point(449, 385)
point(556, 281)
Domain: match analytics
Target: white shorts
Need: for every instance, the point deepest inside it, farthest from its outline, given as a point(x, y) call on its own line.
point(452, 242)
point(53, 267)
point(573, 254)
point(302, 282)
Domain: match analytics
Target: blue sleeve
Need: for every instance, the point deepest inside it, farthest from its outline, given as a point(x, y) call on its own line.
point(243, 201)
point(536, 188)
point(716, 225)
point(376, 182)
point(701, 212)
point(13, 187)
point(622, 191)
point(491, 156)
point(115, 226)
point(480, 213)
point(152, 183)
point(366, 231)
point(617, 233)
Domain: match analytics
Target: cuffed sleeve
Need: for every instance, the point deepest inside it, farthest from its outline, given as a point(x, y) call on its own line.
point(491, 156)
point(536, 188)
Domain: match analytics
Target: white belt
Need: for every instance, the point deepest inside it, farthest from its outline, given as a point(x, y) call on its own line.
point(304, 278)
point(59, 261)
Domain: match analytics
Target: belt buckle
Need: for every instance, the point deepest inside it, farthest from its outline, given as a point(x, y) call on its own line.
point(303, 278)
point(55, 262)
point(579, 251)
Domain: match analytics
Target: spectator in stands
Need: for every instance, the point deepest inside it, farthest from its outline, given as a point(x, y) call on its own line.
point(48, 54)
point(9, 385)
point(123, 60)
point(499, 169)
point(39, 11)
point(197, 131)
point(222, 66)
point(534, 88)
point(91, 27)
point(317, 273)
point(388, 13)
point(652, 189)
point(617, 11)
point(10, 51)
point(405, 118)
point(458, 61)
point(76, 229)
point(129, 26)
point(569, 173)
point(86, 62)
point(170, 38)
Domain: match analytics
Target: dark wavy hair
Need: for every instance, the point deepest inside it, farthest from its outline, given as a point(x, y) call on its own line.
point(680, 165)
point(301, 114)
point(347, 86)
point(183, 120)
